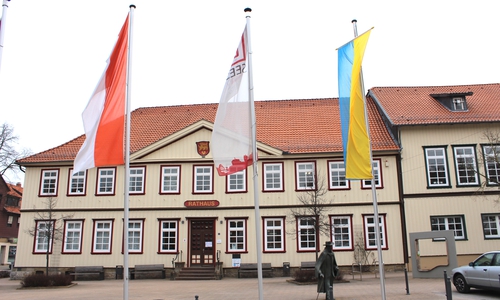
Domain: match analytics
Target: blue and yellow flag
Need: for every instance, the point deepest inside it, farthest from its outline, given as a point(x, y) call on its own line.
point(355, 139)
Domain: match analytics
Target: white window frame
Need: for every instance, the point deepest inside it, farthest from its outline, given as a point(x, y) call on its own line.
point(458, 104)
point(492, 163)
point(306, 234)
point(377, 173)
point(169, 236)
point(135, 236)
point(236, 235)
point(436, 163)
point(237, 182)
point(106, 179)
point(137, 180)
point(305, 174)
point(170, 179)
point(42, 242)
point(274, 230)
point(73, 230)
point(454, 222)
point(465, 165)
point(77, 183)
point(203, 178)
point(370, 232)
point(49, 182)
point(102, 236)
point(491, 226)
point(341, 234)
point(273, 177)
point(336, 178)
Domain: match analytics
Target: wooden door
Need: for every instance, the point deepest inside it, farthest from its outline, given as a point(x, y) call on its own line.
point(202, 243)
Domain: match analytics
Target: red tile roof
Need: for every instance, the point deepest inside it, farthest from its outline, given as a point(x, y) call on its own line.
point(294, 126)
point(415, 105)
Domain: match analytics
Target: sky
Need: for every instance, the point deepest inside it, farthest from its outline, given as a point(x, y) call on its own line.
point(55, 52)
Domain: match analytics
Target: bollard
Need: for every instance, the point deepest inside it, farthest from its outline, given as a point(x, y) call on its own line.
point(196, 297)
point(447, 285)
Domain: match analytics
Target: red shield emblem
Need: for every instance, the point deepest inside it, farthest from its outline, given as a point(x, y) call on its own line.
point(203, 148)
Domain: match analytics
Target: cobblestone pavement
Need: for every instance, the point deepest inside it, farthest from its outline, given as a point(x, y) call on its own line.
point(244, 289)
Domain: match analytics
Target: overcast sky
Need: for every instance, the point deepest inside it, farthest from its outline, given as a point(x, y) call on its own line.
point(55, 52)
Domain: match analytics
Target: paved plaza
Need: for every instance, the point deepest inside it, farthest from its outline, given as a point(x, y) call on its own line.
point(243, 289)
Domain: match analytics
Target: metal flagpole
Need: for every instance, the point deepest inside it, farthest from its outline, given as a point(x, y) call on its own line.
point(127, 158)
point(374, 189)
point(3, 21)
point(254, 155)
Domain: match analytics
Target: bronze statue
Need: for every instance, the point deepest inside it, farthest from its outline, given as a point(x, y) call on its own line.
point(325, 270)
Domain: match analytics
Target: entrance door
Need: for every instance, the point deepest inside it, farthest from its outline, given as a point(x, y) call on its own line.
point(202, 242)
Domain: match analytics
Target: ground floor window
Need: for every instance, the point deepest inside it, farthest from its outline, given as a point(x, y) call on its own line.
point(491, 225)
point(455, 223)
point(274, 235)
point(341, 232)
point(168, 236)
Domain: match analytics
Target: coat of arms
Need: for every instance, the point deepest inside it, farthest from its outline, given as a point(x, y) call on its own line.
point(203, 148)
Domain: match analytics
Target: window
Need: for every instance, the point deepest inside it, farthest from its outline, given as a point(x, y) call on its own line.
point(44, 236)
point(341, 232)
point(11, 201)
point(273, 235)
point(135, 236)
point(336, 171)
point(492, 164)
point(455, 223)
point(273, 177)
point(465, 165)
point(304, 175)
point(170, 180)
point(77, 183)
point(106, 181)
point(437, 167)
point(370, 232)
point(10, 220)
point(377, 174)
point(306, 234)
point(458, 104)
point(236, 234)
point(137, 178)
point(236, 182)
point(168, 236)
point(48, 186)
point(203, 179)
point(491, 226)
point(103, 230)
point(72, 236)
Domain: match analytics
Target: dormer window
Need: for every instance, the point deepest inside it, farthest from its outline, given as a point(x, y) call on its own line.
point(458, 104)
point(453, 101)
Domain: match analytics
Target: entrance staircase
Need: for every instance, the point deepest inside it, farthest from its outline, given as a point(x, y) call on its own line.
point(196, 273)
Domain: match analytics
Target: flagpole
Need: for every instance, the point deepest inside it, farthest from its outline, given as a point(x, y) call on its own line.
point(3, 21)
point(374, 188)
point(254, 155)
point(127, 159)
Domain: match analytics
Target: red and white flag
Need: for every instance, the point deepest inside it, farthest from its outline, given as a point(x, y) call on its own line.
point(104, 116)
point(232, 136)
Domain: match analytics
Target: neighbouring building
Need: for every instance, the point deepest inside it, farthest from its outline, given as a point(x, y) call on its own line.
point(10, 214)
point(450, 164)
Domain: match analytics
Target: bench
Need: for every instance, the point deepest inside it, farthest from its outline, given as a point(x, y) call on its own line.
point(89, 270)
point(252, 268)
point(147, 269)
point(307, 265)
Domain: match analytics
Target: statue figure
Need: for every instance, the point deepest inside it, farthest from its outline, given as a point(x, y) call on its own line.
point(325, 270)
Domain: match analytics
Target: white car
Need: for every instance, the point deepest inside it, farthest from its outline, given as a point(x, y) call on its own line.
point(482, 273)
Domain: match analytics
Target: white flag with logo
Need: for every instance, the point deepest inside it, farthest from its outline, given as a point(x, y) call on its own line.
point(232, 136)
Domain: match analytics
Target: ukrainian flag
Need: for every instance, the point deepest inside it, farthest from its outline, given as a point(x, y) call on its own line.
point(355, 139)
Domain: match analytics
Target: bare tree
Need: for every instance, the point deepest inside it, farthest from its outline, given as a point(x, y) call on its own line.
point(8, 152)
point(312, 211)
point(49, 227)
